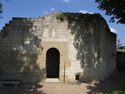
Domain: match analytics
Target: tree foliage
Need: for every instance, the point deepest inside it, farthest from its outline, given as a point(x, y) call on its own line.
point(113, 8)
point(118, 43)
point(0, 9)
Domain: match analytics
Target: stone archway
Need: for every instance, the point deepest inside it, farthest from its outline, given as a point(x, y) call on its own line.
point(52, 63)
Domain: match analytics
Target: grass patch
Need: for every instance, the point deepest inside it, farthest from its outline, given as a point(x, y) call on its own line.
point(114, 92)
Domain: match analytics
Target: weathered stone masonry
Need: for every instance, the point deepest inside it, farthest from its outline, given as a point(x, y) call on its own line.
point(84, 42)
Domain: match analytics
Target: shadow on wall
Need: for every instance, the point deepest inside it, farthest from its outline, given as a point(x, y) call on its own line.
point(87, 29)
point(19, 51)
point(120, 61)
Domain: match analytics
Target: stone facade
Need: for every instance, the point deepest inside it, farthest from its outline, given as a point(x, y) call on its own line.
point(86, 46)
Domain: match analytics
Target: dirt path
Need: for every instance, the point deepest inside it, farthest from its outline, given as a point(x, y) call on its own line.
point(46, 88)
point(115, 82)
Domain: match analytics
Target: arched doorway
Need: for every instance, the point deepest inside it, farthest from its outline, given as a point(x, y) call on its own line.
point(52, 63)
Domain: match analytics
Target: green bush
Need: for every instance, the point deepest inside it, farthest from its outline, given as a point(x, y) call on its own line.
point(61, 16)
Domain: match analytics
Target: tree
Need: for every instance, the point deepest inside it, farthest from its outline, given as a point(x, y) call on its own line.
point(113, 8)
point(0, 9)
point(118, 44)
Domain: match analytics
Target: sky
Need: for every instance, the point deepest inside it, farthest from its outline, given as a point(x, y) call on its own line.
point(36, 8)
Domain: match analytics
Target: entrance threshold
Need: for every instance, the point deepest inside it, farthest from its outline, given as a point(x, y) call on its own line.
point(52, 80)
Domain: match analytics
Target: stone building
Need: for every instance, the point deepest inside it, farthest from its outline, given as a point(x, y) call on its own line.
point(70, 46)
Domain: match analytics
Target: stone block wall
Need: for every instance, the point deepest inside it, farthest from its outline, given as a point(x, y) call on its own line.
point(120, 61)
point(86, 46)
point(92, 48)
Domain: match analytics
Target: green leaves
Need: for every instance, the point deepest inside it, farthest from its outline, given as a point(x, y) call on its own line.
point(113, 8)
point(61, 16)
point(0, 9)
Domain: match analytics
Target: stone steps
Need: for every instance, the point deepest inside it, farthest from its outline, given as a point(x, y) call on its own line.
point(52, 80)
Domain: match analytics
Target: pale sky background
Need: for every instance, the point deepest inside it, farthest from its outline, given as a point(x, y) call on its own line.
point(36, 8)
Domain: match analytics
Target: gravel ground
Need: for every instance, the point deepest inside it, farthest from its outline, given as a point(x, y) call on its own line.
point(115, 82)
point(46, 88)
